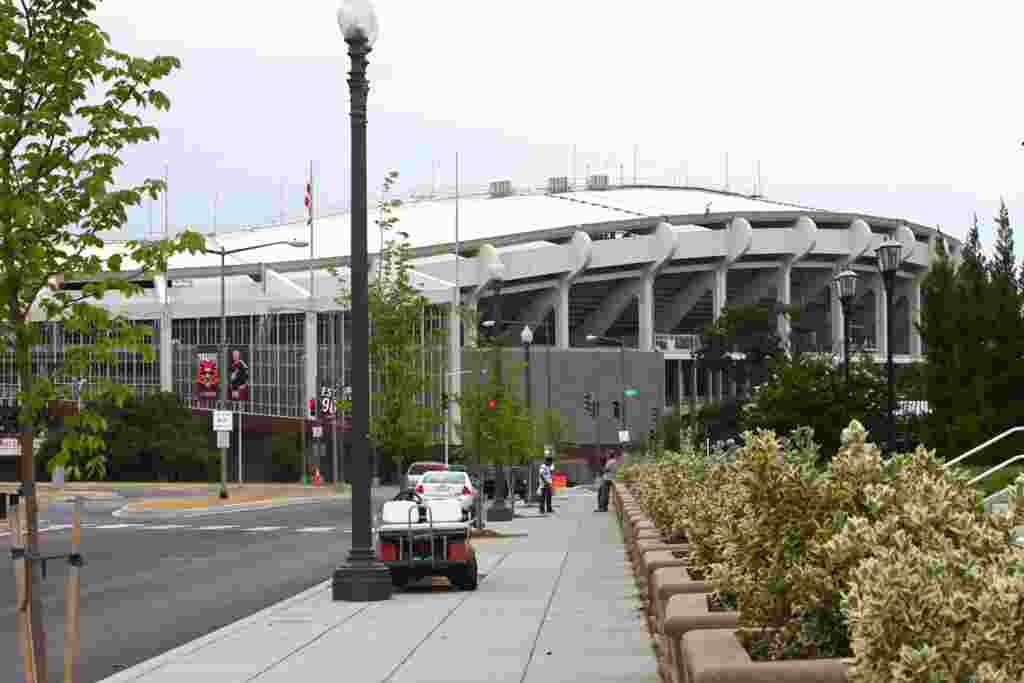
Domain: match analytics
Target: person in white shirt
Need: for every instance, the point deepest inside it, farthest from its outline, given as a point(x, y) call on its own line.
point(546, 486)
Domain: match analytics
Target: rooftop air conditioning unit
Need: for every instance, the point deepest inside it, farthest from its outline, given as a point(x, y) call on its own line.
point(557, 185)
point(597, 182)
point(501, 188)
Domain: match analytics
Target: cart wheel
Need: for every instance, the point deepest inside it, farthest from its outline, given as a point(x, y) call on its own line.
point(399, 579)
point(466, 578)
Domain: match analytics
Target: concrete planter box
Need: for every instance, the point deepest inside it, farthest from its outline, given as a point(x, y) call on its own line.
point(666, 582)
point(658, 558)
point(716, 656)
point(642, 546)
point(686, 613)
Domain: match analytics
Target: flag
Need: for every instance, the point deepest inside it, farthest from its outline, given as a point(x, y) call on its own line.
point(309, 202)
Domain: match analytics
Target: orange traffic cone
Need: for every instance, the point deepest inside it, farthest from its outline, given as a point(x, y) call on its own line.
point(317, 479)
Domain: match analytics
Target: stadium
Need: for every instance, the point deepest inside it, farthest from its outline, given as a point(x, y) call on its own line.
point(640, 268)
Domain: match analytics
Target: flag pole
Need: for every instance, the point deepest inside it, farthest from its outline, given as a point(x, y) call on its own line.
point(310, 188)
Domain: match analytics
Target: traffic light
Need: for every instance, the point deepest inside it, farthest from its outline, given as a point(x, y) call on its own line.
point(492, 403)
point(617, 409)
point(654, 423)
point(588, 403)
point(312, 407)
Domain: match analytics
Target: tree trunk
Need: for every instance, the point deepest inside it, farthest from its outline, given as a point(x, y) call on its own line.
point(31, 608)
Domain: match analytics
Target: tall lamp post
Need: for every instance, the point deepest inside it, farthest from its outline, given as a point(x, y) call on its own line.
point(222, 352)
point(890, 255)
point(360, 578)
point(845, 287)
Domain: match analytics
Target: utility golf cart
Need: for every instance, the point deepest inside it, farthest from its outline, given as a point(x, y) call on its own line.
point(418, 538)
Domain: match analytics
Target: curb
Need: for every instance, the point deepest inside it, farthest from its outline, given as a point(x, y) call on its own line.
point(149, 666)
point(123, 512)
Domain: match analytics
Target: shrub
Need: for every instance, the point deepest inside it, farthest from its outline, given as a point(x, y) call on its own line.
point(924, 615)
point(777, 509)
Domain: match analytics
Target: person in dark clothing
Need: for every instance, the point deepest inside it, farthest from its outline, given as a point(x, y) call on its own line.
point(607, 475)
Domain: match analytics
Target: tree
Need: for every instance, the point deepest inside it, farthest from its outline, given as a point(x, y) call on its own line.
point(804, 390)
point(940, 331)
point(69, 105)
point(401, 421)
point(151, 437)
point(1004, 304)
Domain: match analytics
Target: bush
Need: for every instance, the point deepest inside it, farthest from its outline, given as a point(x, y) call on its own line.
point(921, 615)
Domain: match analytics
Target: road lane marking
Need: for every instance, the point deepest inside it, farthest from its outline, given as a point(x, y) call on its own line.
point(217, 527)
point(264, 528)
point(115, 526)
point(316, 529)
point(161, 527)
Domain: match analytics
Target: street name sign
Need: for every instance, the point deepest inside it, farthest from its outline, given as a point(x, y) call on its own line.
point(631, 392)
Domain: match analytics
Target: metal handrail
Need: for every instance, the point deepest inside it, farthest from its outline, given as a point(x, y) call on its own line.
point(995, 469)
point(976, 449)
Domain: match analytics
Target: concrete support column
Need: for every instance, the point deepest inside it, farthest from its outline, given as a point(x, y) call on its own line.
point(562, 314)
point(680, 392)
point(837, 323)
point(784, 297)
point(645, 312)
point(166, 352)
point(311, 346)
point(454, 368)
point(472, 323)
point(719, 291)
point(881, 318)
point(914, 312)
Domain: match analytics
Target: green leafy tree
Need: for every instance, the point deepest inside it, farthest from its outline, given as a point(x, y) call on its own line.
point(401, 421)
point(69, 105)
point(807, 390)
point(152, 437)
point(747, 329)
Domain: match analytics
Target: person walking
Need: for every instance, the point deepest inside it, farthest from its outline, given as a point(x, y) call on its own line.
point(546, 479)
point(607, 476)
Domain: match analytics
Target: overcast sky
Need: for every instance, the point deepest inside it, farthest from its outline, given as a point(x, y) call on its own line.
point(906, 109)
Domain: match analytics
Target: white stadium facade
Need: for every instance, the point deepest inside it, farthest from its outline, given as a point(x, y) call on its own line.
point(649, 265)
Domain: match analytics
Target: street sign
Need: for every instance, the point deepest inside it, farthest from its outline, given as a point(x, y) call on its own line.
point(223, 439)
point(630, 391)
point(623, 436)
point(548, 451)
point(318, 431)
point(222, 421)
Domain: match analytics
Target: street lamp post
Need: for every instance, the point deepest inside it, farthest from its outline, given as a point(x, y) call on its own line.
point(361, 578)
point(889, 257)
point(845, 287)
point(222, 352)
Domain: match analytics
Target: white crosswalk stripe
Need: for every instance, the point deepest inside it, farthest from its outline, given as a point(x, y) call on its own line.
point(264, 528)
point(217, 527)
point(316, 529)
point(115, 526)
point(162, 527)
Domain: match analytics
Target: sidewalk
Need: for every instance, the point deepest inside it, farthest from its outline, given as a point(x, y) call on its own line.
point(558, 604)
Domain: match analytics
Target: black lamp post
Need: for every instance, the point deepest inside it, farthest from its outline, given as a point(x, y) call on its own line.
point(222, 352)
point(360, 578)
point(845, 287)
point(526, 337)
point(889, 257)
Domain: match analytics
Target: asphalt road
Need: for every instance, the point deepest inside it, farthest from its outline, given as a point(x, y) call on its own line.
point(147, 589)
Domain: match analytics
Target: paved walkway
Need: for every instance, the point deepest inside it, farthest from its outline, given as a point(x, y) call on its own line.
point(558, 604)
